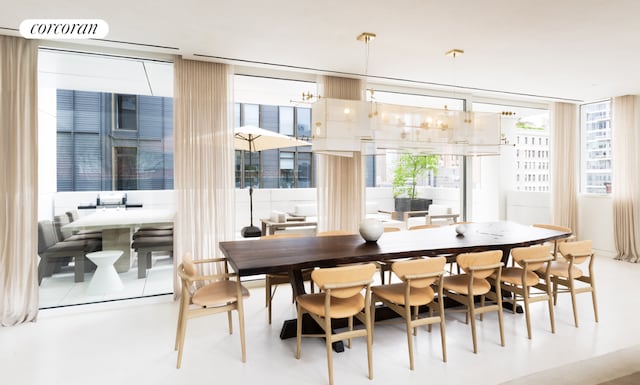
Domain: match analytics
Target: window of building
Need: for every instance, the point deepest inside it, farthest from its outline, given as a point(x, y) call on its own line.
point(126, 110)
point(596, 147)
point(125, 168)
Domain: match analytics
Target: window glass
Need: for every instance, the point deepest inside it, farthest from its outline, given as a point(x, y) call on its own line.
point(286, 120)
point(287, 160)
point(303, 123)
point(596, 147)
point(126, 112)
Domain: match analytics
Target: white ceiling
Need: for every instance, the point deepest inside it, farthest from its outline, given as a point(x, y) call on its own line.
point(578, 50)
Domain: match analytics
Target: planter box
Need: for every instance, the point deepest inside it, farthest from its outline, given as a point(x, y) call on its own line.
point(407, 204)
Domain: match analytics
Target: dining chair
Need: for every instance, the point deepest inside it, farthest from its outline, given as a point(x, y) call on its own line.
point(521, 279)
point(54, 251)
point(271, 281)
point(554, 244)
point(566, 273)
point(333, 232)
point(340, 297)
point(384, 266)
point(427, 226)
point(462, 288)
point(208, 294)
point(418, 277)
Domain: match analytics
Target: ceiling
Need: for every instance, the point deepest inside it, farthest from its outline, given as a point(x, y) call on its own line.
point(572, 50)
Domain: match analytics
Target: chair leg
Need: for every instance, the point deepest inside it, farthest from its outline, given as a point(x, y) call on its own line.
point(183, 329)
point(142, 263)
point(240, 309)
point(368, 325)
point(407, 318)
point(350, 327)
point(298, 331)
point(327, 338)
point(472, 314)
point(552, 319)
point(593, 299)
point(78, 270)
point(443, 336)
point(573, 301)
point(230, 321)
point(500, 320)
point(180, 315)
point(525, 296)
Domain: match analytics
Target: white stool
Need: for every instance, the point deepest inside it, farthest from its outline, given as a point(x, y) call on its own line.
point(105, 279)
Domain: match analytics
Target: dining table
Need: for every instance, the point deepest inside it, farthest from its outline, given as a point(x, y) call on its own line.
point(292, 255)
point(118, 225)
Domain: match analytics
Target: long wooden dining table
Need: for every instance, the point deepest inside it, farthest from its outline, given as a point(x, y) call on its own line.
point(265, 256)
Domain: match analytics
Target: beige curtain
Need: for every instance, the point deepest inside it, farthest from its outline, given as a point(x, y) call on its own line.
point(625, 181)
point(204, 158)
point(18, 180)
point(564, 160)
point(340, 179)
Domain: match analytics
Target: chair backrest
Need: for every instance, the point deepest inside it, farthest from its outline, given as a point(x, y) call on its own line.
point(187, 266)
point(391, 229)
point(580, 251)
point(553, 227)
point(58, 222)
point(73, 215)
point(477, 261)
point(539, 253)
point(344, 281)
point(427, 226)
point(417, 267)
point(46, 235)
point(276, 236)
point(334, 232)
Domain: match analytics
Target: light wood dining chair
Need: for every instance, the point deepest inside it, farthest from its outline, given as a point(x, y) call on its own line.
point(462, 288)
point(340, 297)
point(418, 277)
point(565, 273)
point(521, 279)
point(218, 294)
point(271, 281)
point(333, 232)
point(427, 226)
point(384, 266)
point(554, 244)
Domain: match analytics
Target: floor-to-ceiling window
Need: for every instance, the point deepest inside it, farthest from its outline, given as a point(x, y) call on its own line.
point(105, 126)
point(596, 148)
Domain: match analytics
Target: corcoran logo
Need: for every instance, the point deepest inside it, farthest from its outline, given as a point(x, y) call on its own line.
point(64, 29)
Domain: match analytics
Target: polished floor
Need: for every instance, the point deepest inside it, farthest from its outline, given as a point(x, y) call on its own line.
point(60, 289)
point(131, 342)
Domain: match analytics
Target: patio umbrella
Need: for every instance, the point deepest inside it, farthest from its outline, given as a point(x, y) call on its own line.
point(254, 139)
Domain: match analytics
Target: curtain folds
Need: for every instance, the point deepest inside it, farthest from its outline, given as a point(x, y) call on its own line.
point(204, 159)
point(18, 180)
point(340, 180)
point(564, 173)
point(625, 180)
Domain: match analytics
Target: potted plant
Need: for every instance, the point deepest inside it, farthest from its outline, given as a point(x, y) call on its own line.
point(408, 170)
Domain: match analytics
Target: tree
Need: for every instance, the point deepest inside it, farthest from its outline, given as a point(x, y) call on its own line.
point(409, 168)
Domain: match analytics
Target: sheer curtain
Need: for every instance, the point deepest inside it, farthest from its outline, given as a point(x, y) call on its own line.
point(564, 173)
point(18, 180)
point(340, 182)
point(625, 180)
point(204, 159)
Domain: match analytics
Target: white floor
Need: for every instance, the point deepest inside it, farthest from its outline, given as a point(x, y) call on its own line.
point(131, 342)
point(61, 290)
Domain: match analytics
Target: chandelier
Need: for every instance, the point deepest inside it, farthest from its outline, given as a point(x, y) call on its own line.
point(341, 127)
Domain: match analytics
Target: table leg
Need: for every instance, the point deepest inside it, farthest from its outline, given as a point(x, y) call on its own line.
point(118, 239)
